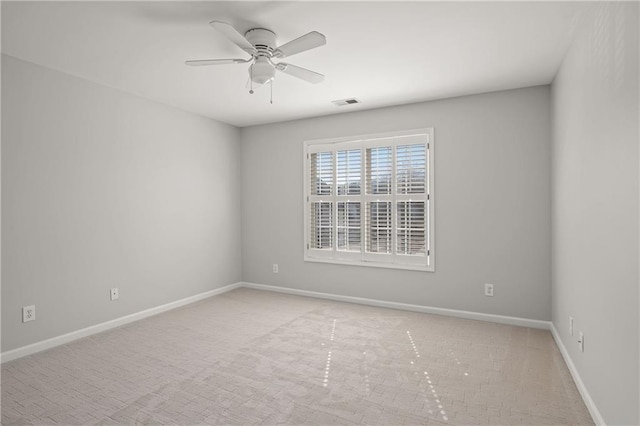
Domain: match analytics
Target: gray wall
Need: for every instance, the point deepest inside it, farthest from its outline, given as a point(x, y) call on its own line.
point(492, 194)
point(102, 189)
point(595, 207)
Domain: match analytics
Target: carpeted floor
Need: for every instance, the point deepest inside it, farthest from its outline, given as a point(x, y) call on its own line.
point(255, 357)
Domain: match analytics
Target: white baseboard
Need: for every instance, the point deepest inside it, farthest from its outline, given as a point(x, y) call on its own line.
point(88, 331)
point(586, 397)
point(524, 322)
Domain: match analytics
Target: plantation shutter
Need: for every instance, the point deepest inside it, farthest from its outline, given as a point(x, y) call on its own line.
point(368, 201)
point(349, 202)
point(349, 226)
point(321, 173)
point(321, 225)
point(320, 204)
point(411, 168)
point(411, 187)
point(379, 169)
point(411, 227)
point(349, 165)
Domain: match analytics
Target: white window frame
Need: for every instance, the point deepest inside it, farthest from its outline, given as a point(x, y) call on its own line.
point(393, 260)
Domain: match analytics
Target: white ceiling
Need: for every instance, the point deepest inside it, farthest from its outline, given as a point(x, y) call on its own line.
point(383, 53)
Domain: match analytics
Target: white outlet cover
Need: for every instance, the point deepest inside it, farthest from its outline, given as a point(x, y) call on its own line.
point(28, 313)
point(488, 290)
point(115, 294)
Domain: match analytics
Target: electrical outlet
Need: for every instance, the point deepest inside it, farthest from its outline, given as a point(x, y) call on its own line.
point(488, 290)
point(581, 341)
point(28, 313)
point(275, 268)
point(571, 325)
point(115, 293)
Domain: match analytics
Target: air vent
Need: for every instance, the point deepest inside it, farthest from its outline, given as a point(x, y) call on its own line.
point(350, 101)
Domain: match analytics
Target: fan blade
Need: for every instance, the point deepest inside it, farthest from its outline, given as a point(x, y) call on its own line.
point(301, 73)
point(234, 36)
point(306, 42)
point(204, 62)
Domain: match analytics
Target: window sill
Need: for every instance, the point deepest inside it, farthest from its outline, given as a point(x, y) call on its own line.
point(422, 268)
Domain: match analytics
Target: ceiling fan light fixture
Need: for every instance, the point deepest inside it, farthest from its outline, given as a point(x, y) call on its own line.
point(261, 71)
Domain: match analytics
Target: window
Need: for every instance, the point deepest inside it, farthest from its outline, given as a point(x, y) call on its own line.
point(369, 200)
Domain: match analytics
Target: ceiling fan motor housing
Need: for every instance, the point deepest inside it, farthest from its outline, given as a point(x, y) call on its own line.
point(263, 40)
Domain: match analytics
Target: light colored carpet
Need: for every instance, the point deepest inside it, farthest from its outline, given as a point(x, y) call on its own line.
point(249, 357)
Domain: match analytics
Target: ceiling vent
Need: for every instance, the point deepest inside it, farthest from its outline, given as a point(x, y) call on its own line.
point(350, 101)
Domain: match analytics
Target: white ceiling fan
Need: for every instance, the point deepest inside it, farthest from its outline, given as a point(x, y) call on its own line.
point(260, 43)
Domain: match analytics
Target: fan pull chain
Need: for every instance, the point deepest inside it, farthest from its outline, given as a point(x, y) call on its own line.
point(251, 79)
point(271, 100)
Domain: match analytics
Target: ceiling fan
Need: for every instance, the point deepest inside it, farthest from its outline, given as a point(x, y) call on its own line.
point(260, 43)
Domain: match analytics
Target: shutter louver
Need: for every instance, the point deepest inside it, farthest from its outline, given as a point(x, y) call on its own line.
point(321, 225)
point(379, 168)
point(379, 227)
point(348, 226)
point(411, 220)
point(321, 173)
point(411, 170)
point(348, 172)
